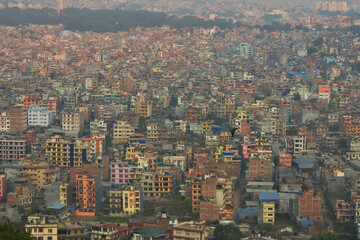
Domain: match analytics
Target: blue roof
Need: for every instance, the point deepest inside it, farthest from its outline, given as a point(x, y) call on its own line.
point(56, 206)
point(229, 153)
point(304, 160)
point(268, 196)
point(248, 211)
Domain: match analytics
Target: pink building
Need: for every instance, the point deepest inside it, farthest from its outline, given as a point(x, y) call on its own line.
point(119, 173)
point(2, 186)
point(285, 159)
point(247, 149)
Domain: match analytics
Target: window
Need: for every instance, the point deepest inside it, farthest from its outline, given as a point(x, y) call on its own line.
point(50, 230)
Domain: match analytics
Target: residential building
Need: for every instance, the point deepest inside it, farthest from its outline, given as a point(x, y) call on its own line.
point(66, 152)
point(65, 192)
point(40, 227)
point(18, 119)
point(192, 230)
point(285, 159)
point(163, 184)
point(88, 194)
point(38, 116)
point(122, 131)
point(266, 212)
point(72, 121)
point(119, 173)
point(125, 200)
point(109, 231)
point(4, 121)
point(29, 99)
point(68, 231)
point(12, 150)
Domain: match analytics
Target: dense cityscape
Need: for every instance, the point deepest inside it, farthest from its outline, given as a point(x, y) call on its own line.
point(172, 120)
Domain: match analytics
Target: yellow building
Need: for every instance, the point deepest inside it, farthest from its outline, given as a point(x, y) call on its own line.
point(65, 193)
point(65, 152)
point(125, 200)
point(266, 212)
point(205, 126)
point(122, 131)
point(40, 173)
point(190, 230)
point(41, 228)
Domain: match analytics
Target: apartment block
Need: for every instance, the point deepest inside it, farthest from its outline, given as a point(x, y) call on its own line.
point(66, 152)
point(125, 200)
point(163, 184)
point(65, 193)
point(122, 131)
point(29, 99)
point(119, 173)
point(40, 227)
point(88, 194)
point(307, 205)
point(72, 121)
point(266, 212)
point(147, 184)
point(194, 230)
point(12, 150)
point(109, 231)
point(18, 119)
point(39, 173)
point(285, 159)
point(68, 231)
point(4, 121)
point(96, 144)
point(53, 104)
point(38, 116)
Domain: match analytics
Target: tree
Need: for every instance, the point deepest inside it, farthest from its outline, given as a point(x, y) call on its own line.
point(324, 236)
point(293, 131)
point(178, 206)
point(12, 231)
point(227, 232)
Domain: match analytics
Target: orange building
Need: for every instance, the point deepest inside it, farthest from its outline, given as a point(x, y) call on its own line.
point(29, 100)
point(88, 194)
point(3, 187)
point(285, 159)
point(52, 104)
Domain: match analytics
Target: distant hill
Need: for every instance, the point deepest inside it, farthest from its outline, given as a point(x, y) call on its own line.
point(103, 20)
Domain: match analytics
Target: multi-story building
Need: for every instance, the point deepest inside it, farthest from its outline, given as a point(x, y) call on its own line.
point(95, 144)
point(12, 150)
point(23, 195)
point(68, 231)
point(40, 227)
point(192, 230)
point(119, 173)
point(285, 159)
point(344, 211)
point(18, 119)
point(4, 121)
point(260, 168)
point(39, 173)
point(122, 131)
point(297, 144)
point(127, 199)
point(152, 132)
point(307, 205)
point(3, 186)
point(163, 184)
point(52, 104)
point(29, 99)
point(98, 127)
point(147, 184)
point(142, 107)
point(266, 212)
point(88, 194)
point(66, 152)
point(65, 193)
point(72, 121)
point(109, 231)
point(38, 116)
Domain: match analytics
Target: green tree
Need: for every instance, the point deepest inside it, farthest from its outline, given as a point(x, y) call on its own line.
point(227, 232)
point(178, 206)
point(12, 231)
point(293, 131)
point(324, 236)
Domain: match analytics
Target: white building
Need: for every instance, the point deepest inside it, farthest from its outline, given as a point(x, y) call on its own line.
point(39, 116)
point(4, 121)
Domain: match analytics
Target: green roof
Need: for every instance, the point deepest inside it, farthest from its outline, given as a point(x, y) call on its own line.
point(151, 232)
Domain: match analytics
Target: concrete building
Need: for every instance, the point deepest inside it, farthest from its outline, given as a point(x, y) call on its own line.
point(194, 230)
point(122, 131)
point(266, 212)
point(109, 231)
point(88, 195)
point(67, 231)
point(18, 119)
point(38, 116)
point(72, 122)
point(41, 228)
point(125, 200)
point(65, 192)
point(66, 152)
point(4, 121)
point(12, 150)
point(119, 173)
